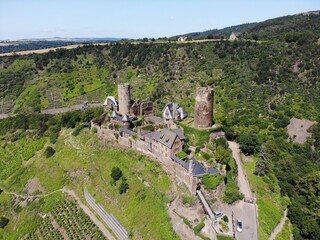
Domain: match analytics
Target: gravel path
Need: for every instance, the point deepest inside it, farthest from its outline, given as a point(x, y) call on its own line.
point(279, 227)
point(118, 229)
point(242, 178)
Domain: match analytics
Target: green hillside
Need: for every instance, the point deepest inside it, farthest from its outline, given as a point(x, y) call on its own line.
point(307, 24)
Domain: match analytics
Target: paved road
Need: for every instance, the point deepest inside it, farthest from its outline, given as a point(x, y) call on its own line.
point(118, 229)
point(246, 212)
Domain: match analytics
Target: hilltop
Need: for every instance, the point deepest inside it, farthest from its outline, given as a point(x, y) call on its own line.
point(277, 28)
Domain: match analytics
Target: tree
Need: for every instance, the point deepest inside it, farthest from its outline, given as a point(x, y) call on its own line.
point(249, 144)
point(3, 222)
point(116, 173)
point(222, 155)
point(263, 165)
point(49, 152)
point(124, 186)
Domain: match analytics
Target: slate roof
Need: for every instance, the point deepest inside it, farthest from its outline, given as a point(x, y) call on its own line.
point(213, 170)
point(179, 132)
point(110, 99)
point(116, 115)
point(125, 118)
point(165, 137)
point(181, 162)
point(172, 109)
point(128, 131)
point(198, 170)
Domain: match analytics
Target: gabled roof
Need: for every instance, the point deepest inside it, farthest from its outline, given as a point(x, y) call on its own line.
point(179, 132)
point(164, 136)
point(109, 100)
point(172, 109)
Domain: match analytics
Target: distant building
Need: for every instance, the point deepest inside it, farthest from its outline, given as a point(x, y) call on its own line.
point(182, 39)
point(234, 36)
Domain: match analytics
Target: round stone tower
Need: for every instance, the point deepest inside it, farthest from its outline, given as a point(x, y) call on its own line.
point(124, 98)
point(204, 107)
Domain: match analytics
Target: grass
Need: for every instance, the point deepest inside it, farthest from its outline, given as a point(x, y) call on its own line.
point(222, 237)
point(197, 137)
point(211, 181)
point(266, 200)
point(82, 161)
point(285, 233)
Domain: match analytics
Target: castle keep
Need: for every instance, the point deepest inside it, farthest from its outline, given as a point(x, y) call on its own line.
point(124, 98)
point(204, 107)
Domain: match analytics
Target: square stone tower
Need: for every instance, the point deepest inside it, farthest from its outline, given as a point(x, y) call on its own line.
point(203, 116)
point(124, 98)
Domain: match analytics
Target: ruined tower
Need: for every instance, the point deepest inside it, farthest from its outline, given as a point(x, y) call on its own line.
point(204, 107)
point(124, 98)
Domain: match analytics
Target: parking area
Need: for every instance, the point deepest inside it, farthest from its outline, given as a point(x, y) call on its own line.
point(246, 213)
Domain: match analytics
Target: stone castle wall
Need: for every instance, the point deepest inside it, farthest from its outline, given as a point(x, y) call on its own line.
point(176, 170)
point(204, 107)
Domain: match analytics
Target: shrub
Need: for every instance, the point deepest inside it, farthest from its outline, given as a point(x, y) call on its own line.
point(187, 200)
point(49, 152)
point(3, 222)
point(116, 173)
point(94, 130)
point(198, 228)
point(181, 155)
point(124, 186)
point(225, 218)
point(211, 181)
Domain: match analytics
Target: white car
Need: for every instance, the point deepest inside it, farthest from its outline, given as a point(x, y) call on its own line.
point(239, 225)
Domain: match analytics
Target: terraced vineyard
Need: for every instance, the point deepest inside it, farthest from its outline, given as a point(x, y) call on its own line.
point(66, 221)
point(13, 154)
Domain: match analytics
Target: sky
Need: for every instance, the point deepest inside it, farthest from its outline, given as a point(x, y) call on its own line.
point(135, 18)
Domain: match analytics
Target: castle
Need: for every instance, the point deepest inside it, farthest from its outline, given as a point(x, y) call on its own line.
point(161, 141)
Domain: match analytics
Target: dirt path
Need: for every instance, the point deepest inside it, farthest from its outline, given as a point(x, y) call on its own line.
point(279, 227)
point(67, 109)
point(93, 218)
point(242, 178)
point(31, 196)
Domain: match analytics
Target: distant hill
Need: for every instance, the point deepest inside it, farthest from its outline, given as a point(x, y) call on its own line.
point(275, 28)
point(41, 43)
